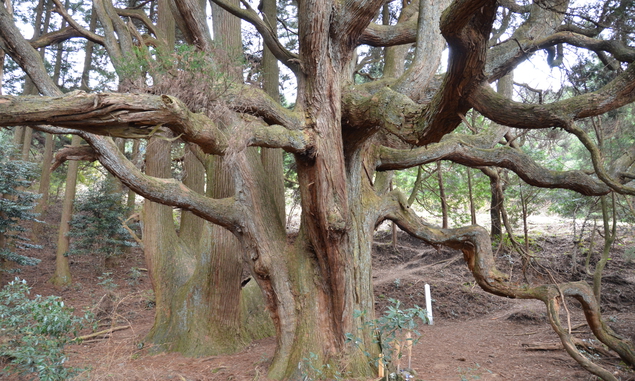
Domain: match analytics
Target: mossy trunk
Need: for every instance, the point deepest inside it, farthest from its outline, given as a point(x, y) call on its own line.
point(197, 288)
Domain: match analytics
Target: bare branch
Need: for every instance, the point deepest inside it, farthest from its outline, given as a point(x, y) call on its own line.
point(598, 161)
point(255, 101)
point(56, 37)
point(615, 94)
point(81, 153)
point(140, 15)
point(59, 8)
point(269, 35)
point(477, 151)
point(390, 35)
point(222, 212)
point(617, 49)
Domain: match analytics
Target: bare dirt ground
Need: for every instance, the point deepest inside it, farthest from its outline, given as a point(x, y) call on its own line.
point(475, 336)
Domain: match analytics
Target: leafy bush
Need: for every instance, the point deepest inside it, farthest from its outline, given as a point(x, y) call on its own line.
point(96, 226)
point(35, 331)
point(392, 331)
point(16, 207)
point(311, 371)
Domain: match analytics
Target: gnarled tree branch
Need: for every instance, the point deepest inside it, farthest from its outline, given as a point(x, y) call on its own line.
point(478, 151)
point(142, 115)
point(474, 242)
point(617, 93)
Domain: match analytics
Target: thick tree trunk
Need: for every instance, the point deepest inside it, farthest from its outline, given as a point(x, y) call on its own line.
point(200, 309)
point(328, 274)
point(130, 200)
point(273, 159)
point(496, 201)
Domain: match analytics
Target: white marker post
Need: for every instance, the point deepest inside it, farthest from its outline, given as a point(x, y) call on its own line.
point(428, 303)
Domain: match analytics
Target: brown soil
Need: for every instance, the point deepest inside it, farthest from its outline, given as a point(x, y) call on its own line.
point(475, 336)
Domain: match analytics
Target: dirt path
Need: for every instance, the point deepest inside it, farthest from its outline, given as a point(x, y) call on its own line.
point(476, 336)
point(491, 348)
point(488, 348)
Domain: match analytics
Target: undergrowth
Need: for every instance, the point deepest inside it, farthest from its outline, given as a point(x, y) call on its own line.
point(34, 333)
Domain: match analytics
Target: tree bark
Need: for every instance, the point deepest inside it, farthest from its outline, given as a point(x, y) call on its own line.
point(273, 158)
point(62, 274)
point(45, 183)
point(442, 197)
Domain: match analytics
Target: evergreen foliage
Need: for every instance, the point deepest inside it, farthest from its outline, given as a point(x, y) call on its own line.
point(16, 207)
point(35, 332)
point(96, 227)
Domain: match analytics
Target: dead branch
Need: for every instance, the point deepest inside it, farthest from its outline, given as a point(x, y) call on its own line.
point(104, 332)
point(73, 153)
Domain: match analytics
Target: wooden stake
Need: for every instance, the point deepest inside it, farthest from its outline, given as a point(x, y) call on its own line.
point(380, 368)
point(409, 348)
point(398, 357)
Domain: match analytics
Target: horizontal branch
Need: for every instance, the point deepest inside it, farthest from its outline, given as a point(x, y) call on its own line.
point(55, 37)
point(142, 115)
point(81, 153)
point(390, 35)
point(617, 49)
point(473, 151)
point(617, 93)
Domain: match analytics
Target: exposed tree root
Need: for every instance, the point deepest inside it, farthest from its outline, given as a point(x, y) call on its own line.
point(474, 242)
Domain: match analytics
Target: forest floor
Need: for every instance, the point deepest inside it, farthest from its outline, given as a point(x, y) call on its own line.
point(475, 335)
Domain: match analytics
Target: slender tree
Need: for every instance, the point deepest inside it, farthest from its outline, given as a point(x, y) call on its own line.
point(62, 274)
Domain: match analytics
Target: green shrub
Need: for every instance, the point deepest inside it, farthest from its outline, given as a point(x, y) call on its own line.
point(16, 207)
point(96, 227)
point(391, 332)
point(35, 331)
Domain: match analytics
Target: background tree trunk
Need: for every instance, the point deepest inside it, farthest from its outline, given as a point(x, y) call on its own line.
point(272, 159)
point(62, 275)
point(45, 184)
point(444, 202)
